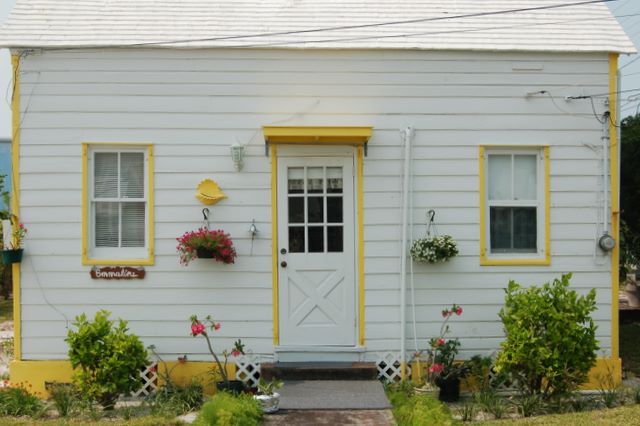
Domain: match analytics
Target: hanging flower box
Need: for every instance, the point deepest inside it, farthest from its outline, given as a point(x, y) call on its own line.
point(433, 249)
point(12, 256)
point(206, 244)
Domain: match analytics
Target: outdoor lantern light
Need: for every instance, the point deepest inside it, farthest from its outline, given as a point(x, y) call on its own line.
point(237, 155)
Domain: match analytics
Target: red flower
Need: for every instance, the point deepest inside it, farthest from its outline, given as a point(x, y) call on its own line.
point(441, 342)
point(459, 311)
point(153, 369)
point(197, 328)
point(236, 352)
point(436, 368)
point(216, 326)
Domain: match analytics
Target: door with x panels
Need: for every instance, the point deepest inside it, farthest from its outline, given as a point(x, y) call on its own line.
point(316, 245)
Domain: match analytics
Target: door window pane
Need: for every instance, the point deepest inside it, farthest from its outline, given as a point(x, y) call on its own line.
point(295, 180)
point(334, 239)
point(500, 177)
point(334, 209)
point(525, 177)
point(315, 180)
point(296, 239)
point(334, 180)
point(296, 210)
point(315, 206)
point(316, 239)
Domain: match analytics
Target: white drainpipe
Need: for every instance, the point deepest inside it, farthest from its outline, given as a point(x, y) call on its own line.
point(407, 135)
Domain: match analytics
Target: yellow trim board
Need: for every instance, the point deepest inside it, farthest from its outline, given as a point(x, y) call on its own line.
point(615, 203)
point(360, 227)
point(274, 243)
point(150, 260)
point(15, 203)
point(484, 258)
point(38, 373)
point(319, 135)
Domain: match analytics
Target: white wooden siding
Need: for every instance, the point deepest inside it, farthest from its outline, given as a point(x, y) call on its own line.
point(192, 105)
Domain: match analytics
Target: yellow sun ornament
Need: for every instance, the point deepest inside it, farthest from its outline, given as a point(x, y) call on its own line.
point(209, 192)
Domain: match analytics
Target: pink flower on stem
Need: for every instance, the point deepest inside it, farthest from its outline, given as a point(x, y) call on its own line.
point(441, 342)
point(216, 326)
point(436, 368)
point(236, 352)
point(197, 328)
point(459, 311)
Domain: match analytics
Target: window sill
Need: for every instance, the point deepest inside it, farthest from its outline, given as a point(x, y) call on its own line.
point(543, 261)
point(115, 262)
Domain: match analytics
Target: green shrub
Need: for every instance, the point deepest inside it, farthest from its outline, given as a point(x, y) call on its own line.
point(420, 410)
point(173, 399)
point(550, 343)
point(106, 358)
point(17, 401)
point(225, 409)
point(491, 402)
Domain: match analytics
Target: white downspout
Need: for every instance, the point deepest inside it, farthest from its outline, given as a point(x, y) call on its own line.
point(605, 170)
point(407, 135)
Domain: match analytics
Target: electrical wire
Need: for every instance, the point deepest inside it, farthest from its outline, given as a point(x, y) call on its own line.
point(350, 27)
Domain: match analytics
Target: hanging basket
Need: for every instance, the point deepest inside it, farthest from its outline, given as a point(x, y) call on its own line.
point(433, 249)
point(204, 253)
point(12, 256)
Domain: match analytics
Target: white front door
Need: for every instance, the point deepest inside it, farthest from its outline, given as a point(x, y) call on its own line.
point(316, 277)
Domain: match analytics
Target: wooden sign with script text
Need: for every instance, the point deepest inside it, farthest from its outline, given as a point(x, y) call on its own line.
point(117, 273)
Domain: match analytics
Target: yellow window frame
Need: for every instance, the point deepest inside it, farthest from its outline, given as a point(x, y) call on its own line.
point(485, 260)
point(149, 260)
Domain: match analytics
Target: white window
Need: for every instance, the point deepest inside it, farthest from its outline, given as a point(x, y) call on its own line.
point(515, 213)
point(118, 205)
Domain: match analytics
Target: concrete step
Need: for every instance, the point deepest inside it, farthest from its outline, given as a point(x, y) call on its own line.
point(319, 371)
point(333, 395)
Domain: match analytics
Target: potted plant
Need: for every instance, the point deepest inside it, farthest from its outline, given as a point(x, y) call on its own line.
point(206, 244)
point(14, 253)
point(435, 249)
point(200, 328)
point(443, 371)
point(267, 395)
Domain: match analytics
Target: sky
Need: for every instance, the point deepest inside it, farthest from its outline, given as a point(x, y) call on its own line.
point(630, 68)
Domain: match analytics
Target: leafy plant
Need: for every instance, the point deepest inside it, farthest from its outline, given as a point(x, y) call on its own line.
point(491, 402)
point(468, 411)
point(269, 387)
point(106, 358)
point(550, 343)
point(419, 410)
point(225, 409)
point(17, 401)
point(529, 404)
point(65, 397)
point(216, 242)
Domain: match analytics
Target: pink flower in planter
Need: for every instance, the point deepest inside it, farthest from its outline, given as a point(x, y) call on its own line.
point(436, 368)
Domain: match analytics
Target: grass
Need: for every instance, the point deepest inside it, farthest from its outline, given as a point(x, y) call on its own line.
point(630, 347)
point(6, 310)
point(139, 421)
point(628, 415)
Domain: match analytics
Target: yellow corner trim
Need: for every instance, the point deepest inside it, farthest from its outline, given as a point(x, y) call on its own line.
point(360, 213)
point(484, 259)
point(615, 202)
point(86, 260)
point(319, 135)
point(273, 152)
point(15, 201)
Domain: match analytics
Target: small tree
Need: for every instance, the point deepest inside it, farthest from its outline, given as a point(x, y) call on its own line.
point(550, 341)
point(106, 359)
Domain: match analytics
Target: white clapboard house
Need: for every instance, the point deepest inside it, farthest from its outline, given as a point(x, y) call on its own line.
point(332, 128)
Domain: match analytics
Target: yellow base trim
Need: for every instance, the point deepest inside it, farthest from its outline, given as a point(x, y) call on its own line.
point(34, 375)
point(319, 135)
point(605, 374)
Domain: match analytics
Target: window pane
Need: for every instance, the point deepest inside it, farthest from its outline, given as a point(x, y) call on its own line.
point(334, 209)
point(315, 180)
point(106, 175)
point(132, 175)
point(316, 239)
point(500, 228)
point(295, 180)
point(133, 224)
point(107, 224)
point(525, 177)
point(315, 206)
point(334, 239)
point(524, 229)
point(500, 177)
point(334, 180)
point(296, 210)
point(296, 239)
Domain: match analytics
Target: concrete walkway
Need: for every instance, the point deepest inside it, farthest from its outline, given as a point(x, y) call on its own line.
point(333, 395)
point(333, 417)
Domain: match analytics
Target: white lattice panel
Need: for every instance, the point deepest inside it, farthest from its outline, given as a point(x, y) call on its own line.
point(390, 367)
point(248, 370)
point(149, 381)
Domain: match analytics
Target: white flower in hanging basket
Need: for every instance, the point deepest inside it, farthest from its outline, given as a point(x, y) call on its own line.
point(433, 249)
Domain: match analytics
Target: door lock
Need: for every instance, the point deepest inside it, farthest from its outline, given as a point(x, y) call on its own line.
point(283, 264)
point(283, 251)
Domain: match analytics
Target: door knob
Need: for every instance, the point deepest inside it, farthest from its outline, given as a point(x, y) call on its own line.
point(283, 251)
point(283, 264)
